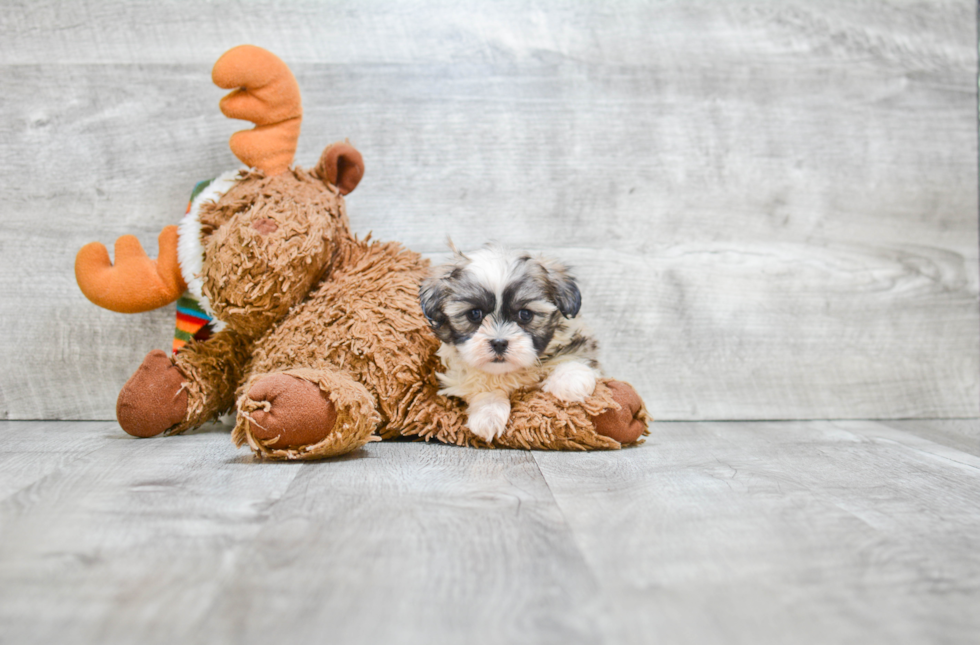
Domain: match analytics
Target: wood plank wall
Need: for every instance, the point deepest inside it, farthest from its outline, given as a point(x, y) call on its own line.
point(771, 205)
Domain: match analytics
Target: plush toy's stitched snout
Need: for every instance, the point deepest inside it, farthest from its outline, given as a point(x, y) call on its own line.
point(264, 259)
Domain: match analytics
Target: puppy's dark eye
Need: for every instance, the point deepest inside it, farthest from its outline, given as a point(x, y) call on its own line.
point(525, 316)
point(475, 315)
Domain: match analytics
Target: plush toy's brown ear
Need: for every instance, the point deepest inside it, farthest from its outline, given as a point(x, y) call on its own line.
point(341, 165)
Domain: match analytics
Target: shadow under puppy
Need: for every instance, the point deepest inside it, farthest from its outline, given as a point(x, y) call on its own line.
point(507, 321)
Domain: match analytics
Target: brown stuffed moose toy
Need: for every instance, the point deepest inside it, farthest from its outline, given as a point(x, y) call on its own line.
point(315, 338)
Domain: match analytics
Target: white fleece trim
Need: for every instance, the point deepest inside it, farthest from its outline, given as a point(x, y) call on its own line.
point(190, 253)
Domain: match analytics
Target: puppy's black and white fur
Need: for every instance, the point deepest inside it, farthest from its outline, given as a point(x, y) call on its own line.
point(507, 321)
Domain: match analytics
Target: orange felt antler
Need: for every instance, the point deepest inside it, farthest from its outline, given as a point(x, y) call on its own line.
point(136, 283)
point(267, 95)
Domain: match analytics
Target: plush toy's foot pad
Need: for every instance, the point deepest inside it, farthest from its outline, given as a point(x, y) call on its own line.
point(153, 399)
point(627, 424)
point(297, 412)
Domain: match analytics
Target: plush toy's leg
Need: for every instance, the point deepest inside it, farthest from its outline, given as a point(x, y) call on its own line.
point(305, 414)
point(154, 398)
point(173, 395)
point(612, 417)
point(628, 423)
point(433, 416)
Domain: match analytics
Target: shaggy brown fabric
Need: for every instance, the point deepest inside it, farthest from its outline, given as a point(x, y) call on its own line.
point(253, 279)
point(213, 370)
point(366, 321)
point(153, 400)
point(238, 199)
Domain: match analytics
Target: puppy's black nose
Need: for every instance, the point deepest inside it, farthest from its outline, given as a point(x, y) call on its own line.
point(499, 346)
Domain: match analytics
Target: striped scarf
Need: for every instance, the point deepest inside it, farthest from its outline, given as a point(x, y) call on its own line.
point(192, 321)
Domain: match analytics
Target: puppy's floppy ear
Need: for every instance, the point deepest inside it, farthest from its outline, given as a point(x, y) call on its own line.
point(568, 298)
point(564, 289)
point(432, 292)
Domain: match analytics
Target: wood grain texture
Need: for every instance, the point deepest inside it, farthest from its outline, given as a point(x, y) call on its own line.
point(772, 205)
point(413, 543)
point(34, 450)
point(376, 31)
point(815, 532)
point(131, 543)
point(741, 532)
point(188, 539)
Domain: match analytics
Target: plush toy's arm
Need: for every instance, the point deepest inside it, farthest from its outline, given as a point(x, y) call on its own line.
point(135, 283)
point(174, 394)
point(213, 369)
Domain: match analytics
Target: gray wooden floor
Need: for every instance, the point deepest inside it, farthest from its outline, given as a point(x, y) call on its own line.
point(777, 532)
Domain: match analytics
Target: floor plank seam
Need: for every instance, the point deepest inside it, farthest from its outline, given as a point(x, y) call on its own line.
point(579, 549)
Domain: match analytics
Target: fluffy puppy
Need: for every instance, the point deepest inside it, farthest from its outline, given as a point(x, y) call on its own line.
point(507, 321)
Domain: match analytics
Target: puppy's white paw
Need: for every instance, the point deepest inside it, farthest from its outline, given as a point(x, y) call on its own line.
point(571, 382)
point(487, 417)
